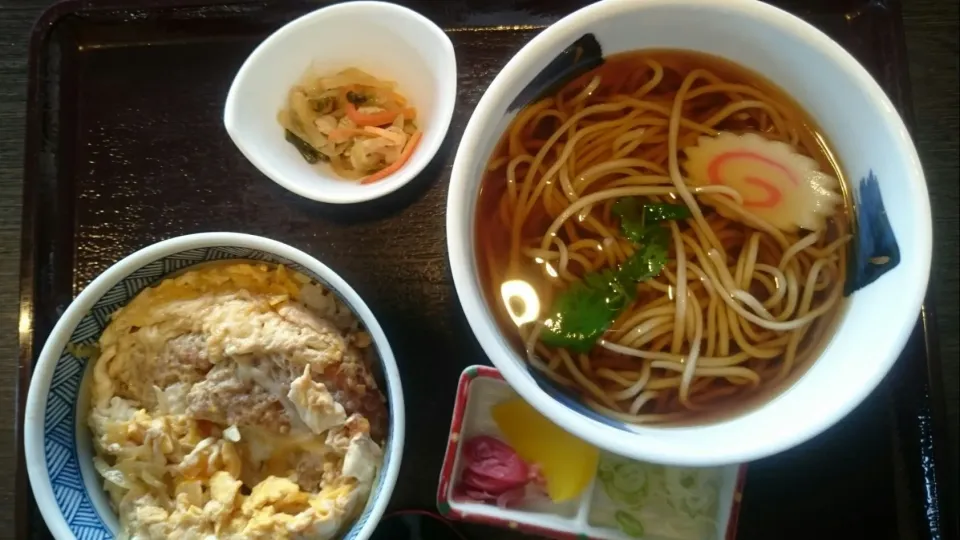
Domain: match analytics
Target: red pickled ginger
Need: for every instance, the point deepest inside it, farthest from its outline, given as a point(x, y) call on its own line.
point(493, 472)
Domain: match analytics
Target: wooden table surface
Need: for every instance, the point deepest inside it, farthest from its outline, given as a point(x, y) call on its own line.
point(932, 42)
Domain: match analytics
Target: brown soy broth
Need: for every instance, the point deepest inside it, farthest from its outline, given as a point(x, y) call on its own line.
point(626, 73)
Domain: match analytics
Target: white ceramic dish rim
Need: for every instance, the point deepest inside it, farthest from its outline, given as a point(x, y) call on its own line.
point(60, 336)
point(649, 447)
point(427, 148)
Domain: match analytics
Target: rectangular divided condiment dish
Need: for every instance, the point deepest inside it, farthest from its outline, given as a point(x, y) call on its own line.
point(621, 499)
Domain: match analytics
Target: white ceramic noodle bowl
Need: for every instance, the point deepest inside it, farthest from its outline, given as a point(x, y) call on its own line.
point(389, 42)
point(867, 135)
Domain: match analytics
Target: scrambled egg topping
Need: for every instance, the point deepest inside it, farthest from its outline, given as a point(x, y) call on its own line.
point(236, 401)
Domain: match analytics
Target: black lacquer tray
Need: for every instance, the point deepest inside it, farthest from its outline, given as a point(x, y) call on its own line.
point(125, 147)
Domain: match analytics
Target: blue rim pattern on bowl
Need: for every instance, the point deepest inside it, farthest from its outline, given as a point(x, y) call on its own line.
point(572, 400)
point(60, 434)
point(874, 251)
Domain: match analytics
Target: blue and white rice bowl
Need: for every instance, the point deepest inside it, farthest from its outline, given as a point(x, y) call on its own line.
point(59, 450)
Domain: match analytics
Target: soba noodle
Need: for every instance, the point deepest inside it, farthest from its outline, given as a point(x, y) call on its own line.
point(740, 305)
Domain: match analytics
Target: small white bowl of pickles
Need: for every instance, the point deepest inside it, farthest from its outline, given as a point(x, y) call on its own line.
point(347, 103)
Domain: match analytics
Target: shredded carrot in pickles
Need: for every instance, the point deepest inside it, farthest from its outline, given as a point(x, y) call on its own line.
point(395, 166)
point(355, 122)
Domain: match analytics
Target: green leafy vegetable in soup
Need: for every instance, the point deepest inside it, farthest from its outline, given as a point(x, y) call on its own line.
point(587, 308)
point(640, 223)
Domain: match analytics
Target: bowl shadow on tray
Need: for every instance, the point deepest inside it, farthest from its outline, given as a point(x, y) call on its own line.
point(428, 359)
point(387, 205)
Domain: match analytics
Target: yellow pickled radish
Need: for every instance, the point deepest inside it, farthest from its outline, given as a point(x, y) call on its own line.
point(566, 462)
